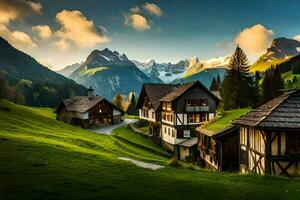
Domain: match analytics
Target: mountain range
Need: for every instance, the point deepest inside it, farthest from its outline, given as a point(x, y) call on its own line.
point(68, 70)
point(280, 50)
point(39, 85)
point(110, 73)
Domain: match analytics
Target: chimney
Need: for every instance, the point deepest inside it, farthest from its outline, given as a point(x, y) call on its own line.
point(90, 92)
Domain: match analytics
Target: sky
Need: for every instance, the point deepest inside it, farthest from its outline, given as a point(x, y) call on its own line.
point(62, 32)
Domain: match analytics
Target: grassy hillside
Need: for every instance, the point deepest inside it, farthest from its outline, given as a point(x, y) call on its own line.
point(41, 158)
point(226, 119)
point(262, 65)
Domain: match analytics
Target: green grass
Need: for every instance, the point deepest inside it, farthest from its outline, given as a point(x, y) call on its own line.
point(288, 80)
point(144, 129)
point(131, 116)
point(226, 119)
point(41, 158)
point(127, 134)
point(91, 72)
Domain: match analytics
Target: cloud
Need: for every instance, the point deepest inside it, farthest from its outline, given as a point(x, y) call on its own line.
point(17, 9)
point(153, 9)
point(61, 44)
point(138, 22)
point(135, 9)
point(44, 31)
point(17, 38)
point(255, 39)
point(297, 37)
point(76, 28)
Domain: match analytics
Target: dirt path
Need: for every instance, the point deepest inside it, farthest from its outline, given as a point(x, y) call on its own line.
point(143, 164)
point(108, 129)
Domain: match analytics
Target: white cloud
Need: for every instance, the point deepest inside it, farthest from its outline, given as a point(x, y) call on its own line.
point(255, 40)
point(61, 44)
point(153, 9)
point(44, 31)
point(18, 39)
point(297, 37)
point(17, 9)
point(76, 28)
point(138, 22)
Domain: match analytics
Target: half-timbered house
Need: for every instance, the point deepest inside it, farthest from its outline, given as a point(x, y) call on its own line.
point(270, 137)
point(88, 111)
point(178, 110)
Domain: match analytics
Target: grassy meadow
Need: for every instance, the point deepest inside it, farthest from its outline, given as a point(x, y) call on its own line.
point(41, 158)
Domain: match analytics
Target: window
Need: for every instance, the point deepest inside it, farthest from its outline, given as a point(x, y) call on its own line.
point(194, 118)
point(165, 130)
point(186, 133)
point(169, 131)
point(153, 115)
point(173, 133)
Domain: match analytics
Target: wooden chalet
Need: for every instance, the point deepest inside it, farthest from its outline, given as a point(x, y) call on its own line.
point(89, 111)
point(270, 137)
point(219, 150)
point(174, 111)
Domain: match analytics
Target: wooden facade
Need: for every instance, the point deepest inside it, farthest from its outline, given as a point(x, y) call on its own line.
point(89, 111)
point(220, 150)
point(177, 110)
point(270, 137)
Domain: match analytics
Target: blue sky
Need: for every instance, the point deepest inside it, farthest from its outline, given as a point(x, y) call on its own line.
point(172, 30)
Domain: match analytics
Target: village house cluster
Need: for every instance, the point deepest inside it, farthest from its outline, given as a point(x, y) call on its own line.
point(265, 141)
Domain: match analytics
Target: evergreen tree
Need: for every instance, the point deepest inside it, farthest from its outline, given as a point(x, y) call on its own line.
point(131, 110)
point(214, 85)
point(237, 88)
point(4, 88)
point(271, 84)
point(219, 83)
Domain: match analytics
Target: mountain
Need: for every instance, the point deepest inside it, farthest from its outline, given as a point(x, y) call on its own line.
point(39, 85)
point(167, 72)
point(195, 66)
point(205, 76)
point(109, 73)
point(68, 70)
point(280, 50)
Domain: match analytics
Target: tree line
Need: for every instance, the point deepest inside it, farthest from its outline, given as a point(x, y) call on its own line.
point(242, 89)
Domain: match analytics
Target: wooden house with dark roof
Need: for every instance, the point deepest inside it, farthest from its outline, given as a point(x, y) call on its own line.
point(88, 111)
point(270, 137)
point(219, 149)
point(174, 111)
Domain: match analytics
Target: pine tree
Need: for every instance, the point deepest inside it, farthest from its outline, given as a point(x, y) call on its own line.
point(131, 110)
point(271, 84)
point(219, 83)
point(237, 88)
point(214, 85)
point(4, 88)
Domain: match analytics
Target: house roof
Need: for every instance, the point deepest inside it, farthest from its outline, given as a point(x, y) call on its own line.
point(189, 143)
point(282, 112)
point(83, 103)
point(156, 92)
point(181, 89)
point(217, 134)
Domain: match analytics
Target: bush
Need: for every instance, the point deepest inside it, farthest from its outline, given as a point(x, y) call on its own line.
point(142, 123)
point(174, 162)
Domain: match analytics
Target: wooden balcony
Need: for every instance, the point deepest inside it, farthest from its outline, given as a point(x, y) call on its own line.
point(196, 108)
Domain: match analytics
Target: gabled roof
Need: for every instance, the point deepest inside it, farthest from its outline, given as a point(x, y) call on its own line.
point(83, 104)
point(281, 112)
point(181, 89)
point(155, 92)
point(189, 142)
